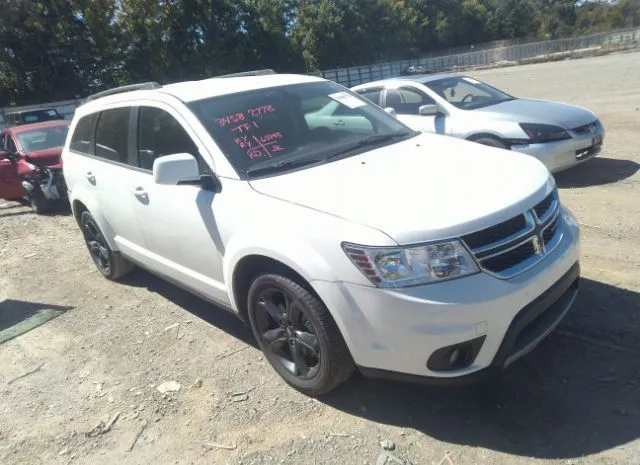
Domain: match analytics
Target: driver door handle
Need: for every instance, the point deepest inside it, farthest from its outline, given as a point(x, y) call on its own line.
point(340, 122)
point(90, 177)
point(139, 192)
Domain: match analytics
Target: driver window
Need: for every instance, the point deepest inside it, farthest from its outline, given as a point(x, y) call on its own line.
point(160, 134)
point(407, 101)
point(464, 93)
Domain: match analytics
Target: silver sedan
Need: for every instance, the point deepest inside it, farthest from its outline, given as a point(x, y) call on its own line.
point(559, 135)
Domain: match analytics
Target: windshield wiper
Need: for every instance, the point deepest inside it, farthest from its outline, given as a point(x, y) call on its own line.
point(282, 166)
point(369, 141)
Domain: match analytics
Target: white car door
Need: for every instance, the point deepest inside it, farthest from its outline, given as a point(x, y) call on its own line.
point(178, 222)
point(406, 101)
point(101, 167)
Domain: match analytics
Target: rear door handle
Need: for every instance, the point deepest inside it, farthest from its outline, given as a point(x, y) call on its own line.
point(90, 177)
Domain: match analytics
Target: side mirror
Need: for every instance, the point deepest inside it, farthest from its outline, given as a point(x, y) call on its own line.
point(4, 154)
point(178, 168)
point(428, 110)
point(391, 111)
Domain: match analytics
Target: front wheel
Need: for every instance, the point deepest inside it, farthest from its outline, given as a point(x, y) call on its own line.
point(110, 263)
point(298, 335)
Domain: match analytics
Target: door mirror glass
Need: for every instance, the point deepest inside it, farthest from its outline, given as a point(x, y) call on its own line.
point(391, 111)
point(178, 168)
point(428, 110)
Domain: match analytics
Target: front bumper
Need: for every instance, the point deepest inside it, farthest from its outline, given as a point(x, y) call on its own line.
point(565, 154)
point(395, 332)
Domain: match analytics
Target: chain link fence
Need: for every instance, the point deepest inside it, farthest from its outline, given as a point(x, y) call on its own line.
point(490, 54)
point(514, 54)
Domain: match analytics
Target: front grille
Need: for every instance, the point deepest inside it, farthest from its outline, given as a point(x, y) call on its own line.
point(509, 259)
point(495, 233)
point(586, 129)
point(543, 207)
point(550, 232)
point(512, 246)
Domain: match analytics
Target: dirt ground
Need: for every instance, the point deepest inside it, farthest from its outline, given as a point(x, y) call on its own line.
point(82, 388)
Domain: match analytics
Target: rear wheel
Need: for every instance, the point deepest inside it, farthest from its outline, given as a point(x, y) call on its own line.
point(110, 263)
point(298, 335)
point(492, 142)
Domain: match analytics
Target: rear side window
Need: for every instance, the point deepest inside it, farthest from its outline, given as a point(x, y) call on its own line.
point(112, 134)
point(160, 134)
point(371, 94)
point(81, 138)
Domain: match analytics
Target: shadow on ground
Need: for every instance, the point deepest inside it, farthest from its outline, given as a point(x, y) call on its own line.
point(21, 207)
point(597, 172)
point(576, 394)
point(18, 316)
point(200, 308)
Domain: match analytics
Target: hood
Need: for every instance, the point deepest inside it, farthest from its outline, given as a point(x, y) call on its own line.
point(539, 111)
point(49, 157)
point(426, 188)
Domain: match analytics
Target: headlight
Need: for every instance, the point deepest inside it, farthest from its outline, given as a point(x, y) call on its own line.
point(544, 132)
point(410, 266)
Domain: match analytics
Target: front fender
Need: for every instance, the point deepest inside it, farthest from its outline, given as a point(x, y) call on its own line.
point(81, 194)
point(308, 263)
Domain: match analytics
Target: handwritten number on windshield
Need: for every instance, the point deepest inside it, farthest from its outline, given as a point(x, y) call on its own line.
point(245, 129)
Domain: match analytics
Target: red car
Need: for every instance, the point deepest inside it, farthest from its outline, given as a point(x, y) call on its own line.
point(30, 163)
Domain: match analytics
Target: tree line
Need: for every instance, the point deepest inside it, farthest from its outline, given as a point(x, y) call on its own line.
point(63, 49)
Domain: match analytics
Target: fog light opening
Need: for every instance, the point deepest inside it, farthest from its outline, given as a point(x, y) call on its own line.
point(455, 357)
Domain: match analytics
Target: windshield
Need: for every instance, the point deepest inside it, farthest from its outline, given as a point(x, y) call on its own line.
point(467, 93)
point(312, 122)
point(43, 139)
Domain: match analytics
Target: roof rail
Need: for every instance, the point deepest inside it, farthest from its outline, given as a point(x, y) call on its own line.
point(258, 72)
point(121, 89)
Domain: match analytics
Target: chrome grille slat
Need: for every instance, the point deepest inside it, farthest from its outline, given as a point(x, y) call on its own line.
point(517, 251)
point(530, 226)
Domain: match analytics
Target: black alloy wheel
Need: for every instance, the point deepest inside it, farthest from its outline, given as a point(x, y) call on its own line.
point(297, 335)
point(96, 243)
point(287, 332)
point(110, 263)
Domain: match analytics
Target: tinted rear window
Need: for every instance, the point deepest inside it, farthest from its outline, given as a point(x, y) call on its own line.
point(111, 134)
point(83, 134)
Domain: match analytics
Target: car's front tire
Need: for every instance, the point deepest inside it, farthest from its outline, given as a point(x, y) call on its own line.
point(298, 335)
point(109, 262)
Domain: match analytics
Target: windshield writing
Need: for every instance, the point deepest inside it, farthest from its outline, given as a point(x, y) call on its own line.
point(295, 122)
point(249, 135)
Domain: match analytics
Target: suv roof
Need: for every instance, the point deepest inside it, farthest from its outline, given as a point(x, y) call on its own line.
point(189, 91)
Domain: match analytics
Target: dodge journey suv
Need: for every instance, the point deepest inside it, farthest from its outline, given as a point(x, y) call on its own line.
point(343, 238)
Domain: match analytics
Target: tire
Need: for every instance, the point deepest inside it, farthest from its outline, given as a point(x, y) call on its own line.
point(110, 263)
point(492, 142)
point(323, 359)
point(39, 204)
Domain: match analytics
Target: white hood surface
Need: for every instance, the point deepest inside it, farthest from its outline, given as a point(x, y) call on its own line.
point(429, 187)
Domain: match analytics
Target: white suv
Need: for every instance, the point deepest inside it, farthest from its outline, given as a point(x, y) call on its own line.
point(345, 241)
